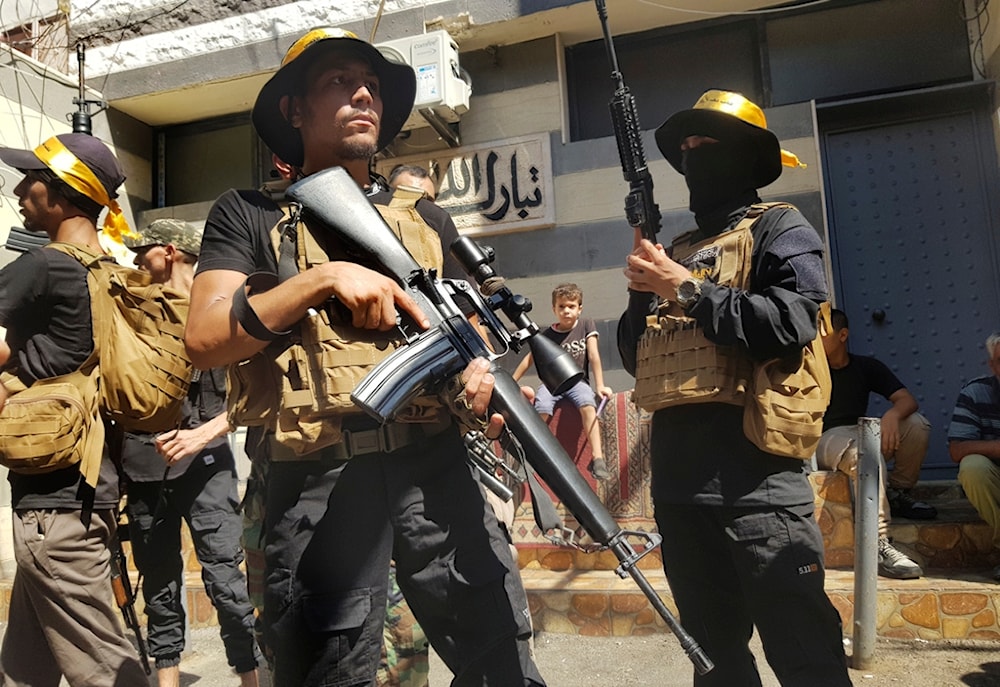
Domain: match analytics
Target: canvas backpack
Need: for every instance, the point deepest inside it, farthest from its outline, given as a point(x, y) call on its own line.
point(53, 424)
point(144, 370)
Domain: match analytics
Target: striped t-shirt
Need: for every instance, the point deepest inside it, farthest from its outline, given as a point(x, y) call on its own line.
point(977, 411)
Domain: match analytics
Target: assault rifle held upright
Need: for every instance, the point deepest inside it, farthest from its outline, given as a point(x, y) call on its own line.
point(432, 356)
point(640, 210)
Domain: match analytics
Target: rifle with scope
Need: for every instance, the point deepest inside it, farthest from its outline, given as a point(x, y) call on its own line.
point(434, 355)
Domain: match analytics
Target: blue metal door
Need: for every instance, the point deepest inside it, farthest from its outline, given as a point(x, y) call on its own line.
point(911, 188)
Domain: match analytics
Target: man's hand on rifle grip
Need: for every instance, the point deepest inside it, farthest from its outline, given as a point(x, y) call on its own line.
point(372, 298)
point(649, 270)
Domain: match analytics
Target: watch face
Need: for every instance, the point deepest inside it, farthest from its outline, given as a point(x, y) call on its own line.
point(687, 292)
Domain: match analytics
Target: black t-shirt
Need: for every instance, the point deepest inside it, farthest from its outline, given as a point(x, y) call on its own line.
point(851, 386)
point(575, 342)
point(45, 306)
point(205, 401)
point(238, 232)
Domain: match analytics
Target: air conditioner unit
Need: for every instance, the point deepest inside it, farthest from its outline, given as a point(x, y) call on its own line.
point(443, 89)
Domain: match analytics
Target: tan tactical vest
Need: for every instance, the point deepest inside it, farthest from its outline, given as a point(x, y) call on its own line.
point(783, 400)
point(676, 364)
point(302, 393)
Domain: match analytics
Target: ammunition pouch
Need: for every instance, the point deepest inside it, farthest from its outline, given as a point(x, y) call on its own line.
point(677, 365)
point(53, 424)
point(787, 399)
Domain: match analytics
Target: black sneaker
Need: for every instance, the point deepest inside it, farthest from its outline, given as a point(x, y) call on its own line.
point(894, 563)
point(902, 505)
point(599, 469)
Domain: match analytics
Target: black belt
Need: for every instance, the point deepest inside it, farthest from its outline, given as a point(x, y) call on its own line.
point(358, 442)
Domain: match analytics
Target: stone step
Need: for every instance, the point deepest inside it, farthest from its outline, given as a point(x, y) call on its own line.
point(571, 591)
point(956, 539)
point(943, 605)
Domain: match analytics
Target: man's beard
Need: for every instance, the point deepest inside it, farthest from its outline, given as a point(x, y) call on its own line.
point(354, 149)
point(32, 225)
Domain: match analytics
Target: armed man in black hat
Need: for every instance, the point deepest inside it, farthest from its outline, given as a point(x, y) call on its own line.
point(300, 320)
point(741, 548)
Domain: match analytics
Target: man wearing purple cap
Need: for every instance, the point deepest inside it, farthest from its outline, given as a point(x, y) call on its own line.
point(62, 619)
point(344, 495)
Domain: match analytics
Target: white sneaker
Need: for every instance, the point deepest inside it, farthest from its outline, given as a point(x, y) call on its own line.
point(894, 563)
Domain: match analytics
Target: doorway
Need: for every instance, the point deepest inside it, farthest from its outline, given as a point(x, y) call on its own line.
point(911, 187)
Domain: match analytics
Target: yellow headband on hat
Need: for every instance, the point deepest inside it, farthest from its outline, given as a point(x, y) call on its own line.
point(737, 106)
point(69, 168)
point(310, 38)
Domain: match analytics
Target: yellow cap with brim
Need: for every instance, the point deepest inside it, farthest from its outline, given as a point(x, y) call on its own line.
point(726, 116)
point(397, 85)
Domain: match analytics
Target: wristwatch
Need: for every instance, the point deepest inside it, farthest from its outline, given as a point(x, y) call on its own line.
point(688, 292)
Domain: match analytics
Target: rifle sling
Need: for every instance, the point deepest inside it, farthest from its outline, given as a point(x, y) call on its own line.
point(544, 510)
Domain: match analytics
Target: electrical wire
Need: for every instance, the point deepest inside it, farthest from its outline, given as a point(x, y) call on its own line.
point(129, 25)
point(981, 16)
point(375, 22)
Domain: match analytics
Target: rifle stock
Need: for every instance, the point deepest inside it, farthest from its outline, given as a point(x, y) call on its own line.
point(333, 198)
point(121, 587)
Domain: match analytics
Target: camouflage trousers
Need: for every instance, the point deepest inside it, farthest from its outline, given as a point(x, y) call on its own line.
point(404, 661)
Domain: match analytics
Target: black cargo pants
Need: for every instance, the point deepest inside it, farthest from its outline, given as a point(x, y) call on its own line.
point(207, 501)
point(331, 529)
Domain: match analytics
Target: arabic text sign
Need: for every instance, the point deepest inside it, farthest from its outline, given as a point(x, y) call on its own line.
point(495, 187)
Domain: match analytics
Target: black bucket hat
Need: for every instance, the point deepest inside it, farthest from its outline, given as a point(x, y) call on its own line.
point(398, 87)
point(726, 116)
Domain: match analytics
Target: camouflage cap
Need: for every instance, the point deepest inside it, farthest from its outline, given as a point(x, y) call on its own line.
point(184, 235)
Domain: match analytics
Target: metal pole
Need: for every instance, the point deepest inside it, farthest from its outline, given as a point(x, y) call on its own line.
point(866, 542)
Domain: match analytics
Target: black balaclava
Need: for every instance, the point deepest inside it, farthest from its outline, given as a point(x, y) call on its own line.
point(717, 173)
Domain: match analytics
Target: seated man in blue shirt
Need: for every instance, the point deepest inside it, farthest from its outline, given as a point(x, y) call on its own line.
point(974, 442)
point(905, 434)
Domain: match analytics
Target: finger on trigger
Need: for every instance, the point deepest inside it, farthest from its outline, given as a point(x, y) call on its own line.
point(405, 302)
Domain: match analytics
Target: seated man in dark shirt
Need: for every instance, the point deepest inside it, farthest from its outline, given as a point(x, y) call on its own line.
point(905, 434)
